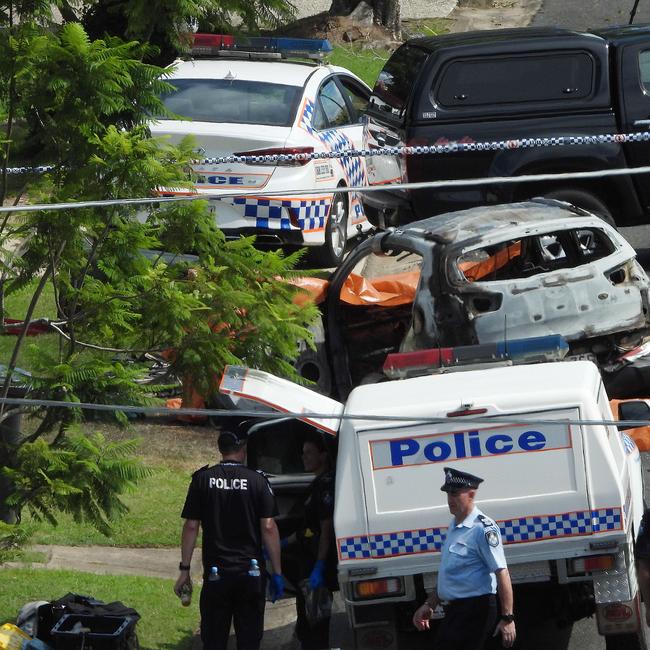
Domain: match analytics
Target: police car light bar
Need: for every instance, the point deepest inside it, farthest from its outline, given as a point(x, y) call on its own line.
point(517, 351)
point(258, 46)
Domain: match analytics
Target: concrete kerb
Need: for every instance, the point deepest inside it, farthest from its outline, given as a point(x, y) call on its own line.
point(493, 14)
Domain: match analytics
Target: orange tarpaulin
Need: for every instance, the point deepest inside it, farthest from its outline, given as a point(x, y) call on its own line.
point(387, 290)
point(476, 270)
point(640, 435)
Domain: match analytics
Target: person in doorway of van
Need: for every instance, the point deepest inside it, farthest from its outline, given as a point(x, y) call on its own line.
point(472, 570)
point(235, 507)
point(642, 555)
point(311, 553)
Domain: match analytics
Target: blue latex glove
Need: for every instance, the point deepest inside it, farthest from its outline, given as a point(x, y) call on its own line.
point(317, 575)
point(276, 587)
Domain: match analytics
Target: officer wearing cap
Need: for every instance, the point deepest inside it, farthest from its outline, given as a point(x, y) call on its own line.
point(472, 570)
point(235, 507)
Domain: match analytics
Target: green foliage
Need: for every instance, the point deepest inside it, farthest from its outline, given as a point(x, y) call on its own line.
point(86, 103)
point(88, 378)
point(13, 538)
point(80, 475)
point(365, 63)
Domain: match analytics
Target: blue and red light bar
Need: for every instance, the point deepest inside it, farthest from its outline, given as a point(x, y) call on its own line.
point(264, 46)
point(517, 351)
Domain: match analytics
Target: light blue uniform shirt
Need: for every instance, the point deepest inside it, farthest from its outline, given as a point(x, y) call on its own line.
point(471, 554)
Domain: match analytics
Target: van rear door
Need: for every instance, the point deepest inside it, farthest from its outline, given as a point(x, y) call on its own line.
point(282, 395)
point(534, 475)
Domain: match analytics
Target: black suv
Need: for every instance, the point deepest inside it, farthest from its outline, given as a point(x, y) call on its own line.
point(508, 85)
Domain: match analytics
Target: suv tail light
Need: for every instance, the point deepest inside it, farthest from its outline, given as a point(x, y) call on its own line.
point(278, 151)
point(379, 588)
point(592, 563)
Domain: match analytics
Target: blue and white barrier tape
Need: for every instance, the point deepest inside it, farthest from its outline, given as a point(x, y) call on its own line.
point(419, 150)
point(221, 195)
point(451, 147)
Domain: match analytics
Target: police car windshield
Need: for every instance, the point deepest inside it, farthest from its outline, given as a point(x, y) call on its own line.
point(232, 101)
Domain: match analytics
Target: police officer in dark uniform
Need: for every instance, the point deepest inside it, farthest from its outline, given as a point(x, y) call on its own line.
point(472, 567)
point(311, 554)
point(642, 554)
point(235, 507)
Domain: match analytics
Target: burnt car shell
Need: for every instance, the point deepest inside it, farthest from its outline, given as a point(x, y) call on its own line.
point(566, 272)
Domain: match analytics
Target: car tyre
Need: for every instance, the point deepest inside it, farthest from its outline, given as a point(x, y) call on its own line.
point(331, 253)
point(585, 200)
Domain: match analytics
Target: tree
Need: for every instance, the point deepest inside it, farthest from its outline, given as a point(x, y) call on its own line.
point(165, 23)
point(385, 12)
point(83, 105)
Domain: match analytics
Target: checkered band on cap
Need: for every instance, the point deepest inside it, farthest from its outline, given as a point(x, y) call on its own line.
point(456, 479)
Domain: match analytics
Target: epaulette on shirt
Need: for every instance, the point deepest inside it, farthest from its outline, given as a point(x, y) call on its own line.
point(201, 469)
point(486, 521)
point(266, 476)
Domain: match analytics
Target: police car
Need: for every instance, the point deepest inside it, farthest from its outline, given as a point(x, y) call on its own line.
point(244, 97)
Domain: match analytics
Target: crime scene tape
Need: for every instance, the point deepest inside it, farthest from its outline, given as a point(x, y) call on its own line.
point(216, 196)
point(446, 148)
point(418, 150)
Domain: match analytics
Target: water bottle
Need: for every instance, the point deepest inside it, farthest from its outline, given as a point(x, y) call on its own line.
point(254, 569)
point(213, 576)
point(186, 594)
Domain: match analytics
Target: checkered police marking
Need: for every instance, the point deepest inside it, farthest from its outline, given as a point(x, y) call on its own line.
point(628, 443)
point(513, 531)
point(275, 213)
point(337, 143)
point(392, 544)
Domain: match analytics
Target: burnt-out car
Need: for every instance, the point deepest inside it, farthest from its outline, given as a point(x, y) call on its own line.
point(483, 275)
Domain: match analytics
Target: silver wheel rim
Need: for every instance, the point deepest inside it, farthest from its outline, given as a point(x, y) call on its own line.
point(337, 225)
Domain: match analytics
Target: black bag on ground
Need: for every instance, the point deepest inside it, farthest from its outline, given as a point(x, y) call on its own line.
point(111, 625)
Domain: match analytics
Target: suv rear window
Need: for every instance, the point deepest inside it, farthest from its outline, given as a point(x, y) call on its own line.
point(233, 101)
point(514, 79)
point(395, 81)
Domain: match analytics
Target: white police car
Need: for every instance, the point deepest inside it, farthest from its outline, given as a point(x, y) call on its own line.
point(244, 98)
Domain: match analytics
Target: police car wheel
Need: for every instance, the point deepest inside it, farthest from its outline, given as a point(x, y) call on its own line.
point(331, 253)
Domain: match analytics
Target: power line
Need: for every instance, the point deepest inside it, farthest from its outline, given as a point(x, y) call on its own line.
point(402, 419)
point(467, 182)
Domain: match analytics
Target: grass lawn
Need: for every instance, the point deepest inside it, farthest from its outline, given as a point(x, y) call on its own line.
point(173, 452)
point(16, 307)
point(164, 624)
point(366, 64)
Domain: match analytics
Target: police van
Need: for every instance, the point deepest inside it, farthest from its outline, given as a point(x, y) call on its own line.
point(560, 479)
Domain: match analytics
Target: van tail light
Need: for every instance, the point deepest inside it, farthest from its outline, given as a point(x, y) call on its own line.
point(259, 156)
point(592, 563)
point(379, 588)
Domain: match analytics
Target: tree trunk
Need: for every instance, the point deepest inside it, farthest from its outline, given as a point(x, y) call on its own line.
point(386, 13)
point(9, 438)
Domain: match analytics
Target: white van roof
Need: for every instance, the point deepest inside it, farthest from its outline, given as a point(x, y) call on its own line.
point(523, 386)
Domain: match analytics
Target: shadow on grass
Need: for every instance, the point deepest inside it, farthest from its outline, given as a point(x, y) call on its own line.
point(189, 641)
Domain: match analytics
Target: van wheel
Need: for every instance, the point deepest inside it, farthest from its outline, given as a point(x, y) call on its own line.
point(585, 200)
point(331, 253)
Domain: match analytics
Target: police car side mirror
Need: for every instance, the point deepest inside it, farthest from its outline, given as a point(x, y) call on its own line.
point(633, 410)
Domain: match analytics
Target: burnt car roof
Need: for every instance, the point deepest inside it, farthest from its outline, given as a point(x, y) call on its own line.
point(483, 221)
